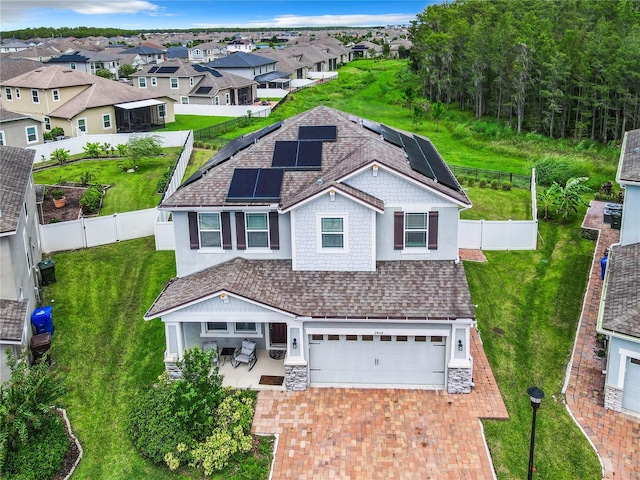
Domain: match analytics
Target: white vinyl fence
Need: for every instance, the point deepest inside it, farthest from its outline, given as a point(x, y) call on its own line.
point(76, 145)
point(91, 232)
point(502, 235)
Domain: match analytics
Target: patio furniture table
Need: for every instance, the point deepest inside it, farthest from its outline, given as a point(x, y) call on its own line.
point(226, 353)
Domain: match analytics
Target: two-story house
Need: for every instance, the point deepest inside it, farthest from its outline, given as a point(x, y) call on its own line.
point(206, 52)
point(246, 65)
point(88, 62)
point(81, 103)
point(19, 252)
point(19, 130)
point(332, 238)
point(197, 84)
point(144, 54)
point(619, 315)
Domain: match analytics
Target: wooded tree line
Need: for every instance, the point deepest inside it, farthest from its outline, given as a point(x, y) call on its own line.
point(568, 68)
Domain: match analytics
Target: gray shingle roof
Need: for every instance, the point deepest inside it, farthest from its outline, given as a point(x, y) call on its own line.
point(355, 147)
point(8, 116)
point(630, 158)
point(621, 312)
point(240, 60)
point(397, 290)
point(15, 171)
point(12, 316)
point(12, 68)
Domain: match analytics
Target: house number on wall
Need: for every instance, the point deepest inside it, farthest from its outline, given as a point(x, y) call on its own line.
point(378, 332)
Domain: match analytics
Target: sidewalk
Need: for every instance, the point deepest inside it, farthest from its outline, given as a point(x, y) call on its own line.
point(616, 436)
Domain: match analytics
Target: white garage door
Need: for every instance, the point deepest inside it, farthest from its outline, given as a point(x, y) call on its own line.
point(631, 391)
point(377, 359)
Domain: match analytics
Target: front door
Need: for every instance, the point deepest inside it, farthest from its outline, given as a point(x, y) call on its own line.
point(278, 333)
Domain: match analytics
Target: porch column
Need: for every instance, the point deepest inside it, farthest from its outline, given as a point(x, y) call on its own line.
point(295, 363)
point(175, 348)
point(460, 368)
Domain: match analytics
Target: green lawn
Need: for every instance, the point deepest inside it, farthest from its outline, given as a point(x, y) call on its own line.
point(491, 204)
point(528, 306)
point(193, 122)
point(128, 191)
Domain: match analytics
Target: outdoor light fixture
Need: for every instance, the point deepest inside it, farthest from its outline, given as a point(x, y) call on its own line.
point(460, 347)
point(224, 297)
point(332, 194)
point(535, 395)
point(295, 343)
point(375, 170)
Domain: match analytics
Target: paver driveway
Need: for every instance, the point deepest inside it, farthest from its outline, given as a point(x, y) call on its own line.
point(341, 433)
point(616, 436)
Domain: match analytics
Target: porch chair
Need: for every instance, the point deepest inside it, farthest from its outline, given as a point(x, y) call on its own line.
point(246, 353)
point(206, 346)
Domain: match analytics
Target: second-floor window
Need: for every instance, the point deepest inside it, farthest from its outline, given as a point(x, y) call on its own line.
point(332, 232)
point(142, 82)
point(174, 83)
point(154, 81)
point(7, 94)
point(415, 230)
point(56, 95)
point(210, 229)
point(34, 96)
point(257, 230)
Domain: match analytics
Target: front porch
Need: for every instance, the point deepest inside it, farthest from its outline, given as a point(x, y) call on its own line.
point(241, 377)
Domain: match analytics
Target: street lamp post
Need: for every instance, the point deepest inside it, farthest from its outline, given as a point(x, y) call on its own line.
point(535, 395)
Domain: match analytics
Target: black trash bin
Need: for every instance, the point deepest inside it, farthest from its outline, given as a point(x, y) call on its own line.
point(616, 220)
point(47, 271)
point(39, 345)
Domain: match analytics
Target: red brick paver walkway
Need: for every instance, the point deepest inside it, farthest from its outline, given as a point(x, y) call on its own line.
point(472, 255)
point(616, 436)
point(349, 434)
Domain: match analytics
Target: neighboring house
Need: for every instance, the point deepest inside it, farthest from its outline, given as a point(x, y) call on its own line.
point(366, 50)
point(323, 236)
point(288, 60)
point(39, 53)
point(19, 252)
point(88, 62)
point(19, 130)
point(619, 315)
point(81, 103)
point(195, 84)
point(246, 65)
point(145, 54)
point(10, 68)
point(12, 47)
point(241, 45)
point(178, 52)
point(206, 52)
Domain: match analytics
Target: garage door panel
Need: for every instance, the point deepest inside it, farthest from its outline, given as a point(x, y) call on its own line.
point(392, 362)
point(631, 391)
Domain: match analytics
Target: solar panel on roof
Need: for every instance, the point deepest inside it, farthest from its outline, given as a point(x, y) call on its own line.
point(437, 164)
point(309, 155)
point(167, 69)
point(203, 90)
point(417, 160)
point(255, 185)
point(327, 133)
point(153, 69)
point(285, 154)
point(369, 125)
point(390, 135)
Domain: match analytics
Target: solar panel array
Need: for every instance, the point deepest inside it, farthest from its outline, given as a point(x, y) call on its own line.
point(374, 127)
point(297, 155)
point(439, 167)
point(153, 69)
point(390, 135)
point(203, 90)
point(326, 133)
point(167, 69)
point(202, 68)
point(230, 149)
point(255, 185)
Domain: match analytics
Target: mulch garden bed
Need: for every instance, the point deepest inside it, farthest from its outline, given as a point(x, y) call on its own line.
point(72, 209)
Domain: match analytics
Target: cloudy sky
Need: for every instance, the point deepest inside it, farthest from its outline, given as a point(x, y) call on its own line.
point(161, 14)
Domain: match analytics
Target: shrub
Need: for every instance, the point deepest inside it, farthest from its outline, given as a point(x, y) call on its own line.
point(461, 180)
point(506, 186)
point(482, 183)
point(494, 184)
point(60, 155)
point(92, 149)
point(57, 132)
point(162, 182)
point(122, 149)
point(557, 170)
point(471, 182)
point(139, 148)
point(86, 178)
point(57, 193)
point(41, 457)
point(90, 201)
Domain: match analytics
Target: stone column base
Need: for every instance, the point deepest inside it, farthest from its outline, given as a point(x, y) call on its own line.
point(460, 380)
point(295, 377)
point(174, 372)
point(613, 398)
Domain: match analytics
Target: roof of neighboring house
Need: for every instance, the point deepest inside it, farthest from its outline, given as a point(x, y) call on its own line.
point(56, 76)
point(177, 52)
point(144, 50)
point(630, 158)
point(15, 172)
point(83, 56)
point(14, 67)
point(355, 147)
point(395, 290)
point(271, 76)
point(240, 60)
point(211, 83)
point(8, 116)
point(12, 316)
point(621, 313)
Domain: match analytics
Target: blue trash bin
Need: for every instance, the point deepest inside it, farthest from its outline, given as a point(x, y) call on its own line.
point(42, 320)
